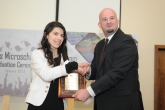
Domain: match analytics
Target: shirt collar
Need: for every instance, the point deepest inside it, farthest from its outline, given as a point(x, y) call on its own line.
point(110, 37)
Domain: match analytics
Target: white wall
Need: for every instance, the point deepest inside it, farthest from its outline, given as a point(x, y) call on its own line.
point(26, 14)
point(29, 15)
point(83, 16)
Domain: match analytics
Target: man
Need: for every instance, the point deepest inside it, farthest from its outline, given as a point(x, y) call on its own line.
point(116, 71)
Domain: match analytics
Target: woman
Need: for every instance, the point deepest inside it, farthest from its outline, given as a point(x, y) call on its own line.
point(46, 69)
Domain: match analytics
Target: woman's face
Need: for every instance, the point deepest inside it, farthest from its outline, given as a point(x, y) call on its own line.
point(56, 37)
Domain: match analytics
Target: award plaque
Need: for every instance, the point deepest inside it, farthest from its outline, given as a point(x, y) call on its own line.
point(68, 85)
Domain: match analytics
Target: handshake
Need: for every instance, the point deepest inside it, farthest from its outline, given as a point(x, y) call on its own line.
point(83, 68)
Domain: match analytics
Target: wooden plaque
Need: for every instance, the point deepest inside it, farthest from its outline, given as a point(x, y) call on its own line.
point(68, 85)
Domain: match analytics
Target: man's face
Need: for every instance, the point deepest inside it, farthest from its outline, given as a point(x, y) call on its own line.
point(108, 22)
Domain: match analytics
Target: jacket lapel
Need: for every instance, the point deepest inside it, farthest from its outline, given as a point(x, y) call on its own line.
point(108, 48)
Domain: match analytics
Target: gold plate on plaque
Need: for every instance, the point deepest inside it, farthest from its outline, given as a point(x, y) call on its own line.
point(68, 85)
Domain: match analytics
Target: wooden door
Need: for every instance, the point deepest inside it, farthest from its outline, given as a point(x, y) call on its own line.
point(159, 79)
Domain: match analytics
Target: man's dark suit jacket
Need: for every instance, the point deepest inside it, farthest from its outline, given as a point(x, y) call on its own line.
point(117, 85)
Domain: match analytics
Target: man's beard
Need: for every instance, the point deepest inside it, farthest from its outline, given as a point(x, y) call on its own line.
point(110, 31)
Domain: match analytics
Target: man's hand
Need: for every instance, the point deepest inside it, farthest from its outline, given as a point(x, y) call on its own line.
point(81, 95)
point(83, 68)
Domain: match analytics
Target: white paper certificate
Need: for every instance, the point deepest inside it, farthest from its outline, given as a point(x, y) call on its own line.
point(71, 81)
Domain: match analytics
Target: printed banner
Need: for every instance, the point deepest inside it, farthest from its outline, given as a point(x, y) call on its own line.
point(15, 54)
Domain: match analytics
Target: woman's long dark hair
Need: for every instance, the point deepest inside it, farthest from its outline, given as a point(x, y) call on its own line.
point(45, 45)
